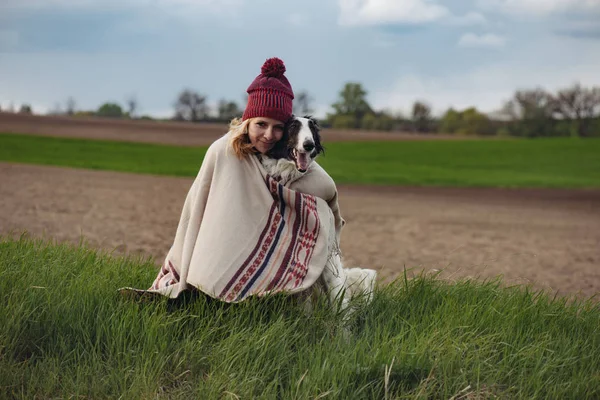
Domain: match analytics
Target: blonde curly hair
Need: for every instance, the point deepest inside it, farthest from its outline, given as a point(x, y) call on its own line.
point(239, 141)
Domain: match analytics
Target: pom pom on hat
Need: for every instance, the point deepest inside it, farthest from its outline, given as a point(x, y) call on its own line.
point(270, 94)
point(273, 68)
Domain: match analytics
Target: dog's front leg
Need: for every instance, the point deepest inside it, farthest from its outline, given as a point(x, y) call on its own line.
point(334, 278)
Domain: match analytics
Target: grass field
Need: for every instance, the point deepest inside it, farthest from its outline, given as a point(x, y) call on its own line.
point(556, 163)
point(65, 332)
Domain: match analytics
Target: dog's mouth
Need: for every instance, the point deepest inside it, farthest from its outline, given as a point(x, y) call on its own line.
point(301, 159)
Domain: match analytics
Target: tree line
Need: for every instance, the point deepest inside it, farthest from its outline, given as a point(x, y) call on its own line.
point(193, 106)
point(190, 106)
point(572, 111)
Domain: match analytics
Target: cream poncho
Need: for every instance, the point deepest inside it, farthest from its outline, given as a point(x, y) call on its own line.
point(241, 233)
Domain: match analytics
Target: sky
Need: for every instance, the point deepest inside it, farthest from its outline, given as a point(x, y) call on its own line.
point(457, 53)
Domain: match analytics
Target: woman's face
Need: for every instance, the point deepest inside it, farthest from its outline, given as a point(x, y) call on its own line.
point(264, 133)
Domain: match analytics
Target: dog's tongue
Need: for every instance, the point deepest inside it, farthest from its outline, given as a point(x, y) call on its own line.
point(302, 161)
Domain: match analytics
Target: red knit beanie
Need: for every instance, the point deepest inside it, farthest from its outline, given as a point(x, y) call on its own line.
point(270, 94)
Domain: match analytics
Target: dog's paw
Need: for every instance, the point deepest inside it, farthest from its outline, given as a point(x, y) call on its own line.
point(361, 281)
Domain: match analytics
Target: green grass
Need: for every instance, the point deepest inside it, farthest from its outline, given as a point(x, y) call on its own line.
point(65, 332)
point(102, 154)
point(557, 163)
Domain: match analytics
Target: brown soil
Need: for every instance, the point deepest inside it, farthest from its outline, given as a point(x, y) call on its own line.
point(175, 133)
point(550, 238)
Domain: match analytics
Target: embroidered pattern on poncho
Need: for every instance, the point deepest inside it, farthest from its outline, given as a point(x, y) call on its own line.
point(242, 233)
point(280, 259)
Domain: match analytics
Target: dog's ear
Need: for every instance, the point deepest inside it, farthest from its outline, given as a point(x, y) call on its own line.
point(290, 131)
point(281, 148)
point(313, 124)
point(287, 125)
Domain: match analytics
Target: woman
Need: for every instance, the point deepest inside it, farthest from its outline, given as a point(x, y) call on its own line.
point(241, 233)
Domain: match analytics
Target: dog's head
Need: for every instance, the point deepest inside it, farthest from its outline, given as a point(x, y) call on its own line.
point(301, 142)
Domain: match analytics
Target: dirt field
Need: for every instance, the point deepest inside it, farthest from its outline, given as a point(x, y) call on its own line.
point(547, 237)
point(175, 133)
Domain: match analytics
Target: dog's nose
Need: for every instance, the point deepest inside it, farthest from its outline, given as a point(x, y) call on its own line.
point(308, 146)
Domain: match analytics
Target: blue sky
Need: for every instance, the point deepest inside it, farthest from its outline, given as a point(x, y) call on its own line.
point(455, 53)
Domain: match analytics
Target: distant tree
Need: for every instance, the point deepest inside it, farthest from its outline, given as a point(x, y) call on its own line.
point(466, 122)
point(451, 121)
point(595, 127)
point(228, 110)
point(380, 121)
point(303, 104)
point(25, 109)
point(70, 106)
point(132, 106)
point(531, 104)
point(401, 122)
point(531, 112)
point(342, 121)
point(11, 108)
point(191, 106)
point(369, 121)
point(385, 121)
point(580, 105)
point(352, 103)
point(110, 110)
point(475, 123)
point(421, 117)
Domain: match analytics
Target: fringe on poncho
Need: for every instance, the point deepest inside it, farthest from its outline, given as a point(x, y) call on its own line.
point(241, 233)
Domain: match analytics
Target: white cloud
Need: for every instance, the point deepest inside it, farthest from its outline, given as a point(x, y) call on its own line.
point(378, 12)
point(485, 40)
point(540, 7)
point(373, 12)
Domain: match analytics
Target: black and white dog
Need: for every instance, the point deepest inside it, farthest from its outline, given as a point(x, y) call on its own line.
point(288, 161)
point(292, 155)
